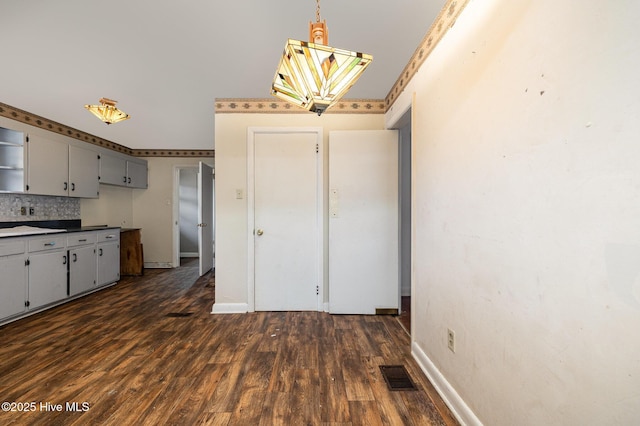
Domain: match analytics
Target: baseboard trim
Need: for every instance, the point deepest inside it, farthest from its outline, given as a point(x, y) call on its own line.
point(189, 254)
point(158, 265)
point(230, 308)
point(456, 404)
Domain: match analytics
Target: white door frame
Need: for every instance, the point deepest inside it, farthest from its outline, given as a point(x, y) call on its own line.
point(251, 133)
point(176, 211)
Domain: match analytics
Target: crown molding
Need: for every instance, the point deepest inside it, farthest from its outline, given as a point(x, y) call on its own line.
point(445, 20)
point(278, 106)
point(25, 117)
point(184, 153)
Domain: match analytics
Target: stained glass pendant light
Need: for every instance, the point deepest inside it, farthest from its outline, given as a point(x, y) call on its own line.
point(313, 75)
point(107, 111)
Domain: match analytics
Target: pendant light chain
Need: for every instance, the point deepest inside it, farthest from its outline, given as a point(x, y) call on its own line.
point(317, 10)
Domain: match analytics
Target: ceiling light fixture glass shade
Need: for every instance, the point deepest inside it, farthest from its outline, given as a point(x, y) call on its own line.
point(315, 76)
point(107, 111)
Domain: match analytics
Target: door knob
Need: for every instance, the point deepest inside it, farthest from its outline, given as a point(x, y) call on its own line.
point(259, 232)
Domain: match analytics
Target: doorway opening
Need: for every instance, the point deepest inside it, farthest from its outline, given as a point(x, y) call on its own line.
point(404, 181)
point(187, 206)
point(188, 213)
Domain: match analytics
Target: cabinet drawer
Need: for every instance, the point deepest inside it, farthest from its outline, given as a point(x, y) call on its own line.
point(7, 248)
point(51, 243)
point(81, 239)
point(109, 236)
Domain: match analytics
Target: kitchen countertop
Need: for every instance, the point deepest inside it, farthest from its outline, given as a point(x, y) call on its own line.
point(28, 228)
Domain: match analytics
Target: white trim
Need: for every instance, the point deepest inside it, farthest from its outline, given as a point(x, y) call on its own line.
point(189, 254)
point(456, 404)
point(230, 308)
point(158, 265)
point(251, 132)
point(175, 222)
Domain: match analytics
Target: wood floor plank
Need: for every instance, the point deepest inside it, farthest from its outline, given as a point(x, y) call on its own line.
point(128, 353)
point(356, 380)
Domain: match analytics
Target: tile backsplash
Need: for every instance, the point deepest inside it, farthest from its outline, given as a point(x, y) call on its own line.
point(44, 207)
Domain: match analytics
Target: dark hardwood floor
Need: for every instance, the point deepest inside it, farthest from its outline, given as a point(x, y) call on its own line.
point(148, 352)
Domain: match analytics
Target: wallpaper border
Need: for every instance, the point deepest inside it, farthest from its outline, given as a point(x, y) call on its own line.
point(278, 106)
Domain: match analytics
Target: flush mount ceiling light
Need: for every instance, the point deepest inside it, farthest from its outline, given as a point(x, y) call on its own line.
point(313, 75)
point(107, 111)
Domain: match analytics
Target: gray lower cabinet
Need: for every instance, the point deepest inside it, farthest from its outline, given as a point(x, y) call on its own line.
point(47, 271)
point(42, 271)
point(82, 262)
point(13, 285)
point(108, 250)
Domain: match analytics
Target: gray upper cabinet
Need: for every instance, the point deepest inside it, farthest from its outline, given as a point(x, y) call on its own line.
point(11, 160)
point(59, 166)
point(47, 166)
point(137, 175)
point(113, 169)
point(62, 169)
point(83, 172)
point(123, 171)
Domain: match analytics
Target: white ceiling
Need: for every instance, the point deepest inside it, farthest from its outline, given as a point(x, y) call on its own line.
point(165, 62)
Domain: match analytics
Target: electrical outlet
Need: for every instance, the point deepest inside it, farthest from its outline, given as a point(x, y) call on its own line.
point(31, 211)
point(451, 340)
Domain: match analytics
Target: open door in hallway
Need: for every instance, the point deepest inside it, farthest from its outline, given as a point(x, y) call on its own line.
point(205, 217)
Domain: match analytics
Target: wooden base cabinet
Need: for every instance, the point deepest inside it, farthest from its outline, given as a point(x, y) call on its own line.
point(131, 256)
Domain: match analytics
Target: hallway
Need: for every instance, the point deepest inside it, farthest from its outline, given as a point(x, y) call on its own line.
point(147, 351)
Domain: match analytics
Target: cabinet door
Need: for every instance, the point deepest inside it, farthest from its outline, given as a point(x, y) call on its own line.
point(108, 263)
point(113, 170)
point(11, 160)
point(82, 269)
point(47, 278)
point(13, 285)
point(47, 166)
point(136, 175)
point(83, 172)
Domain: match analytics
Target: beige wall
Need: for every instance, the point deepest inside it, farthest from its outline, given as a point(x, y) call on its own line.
point(114, 207)
point(526, 206)
point(231, 174)
point(154, 209)
point(150, 209)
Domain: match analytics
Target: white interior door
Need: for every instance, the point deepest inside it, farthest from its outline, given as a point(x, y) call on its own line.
point(205, 218)
point(286, 221)
point(363, 221)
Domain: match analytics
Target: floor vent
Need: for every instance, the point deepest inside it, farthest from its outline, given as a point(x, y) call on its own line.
point(397, 378)
point(179, 314)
